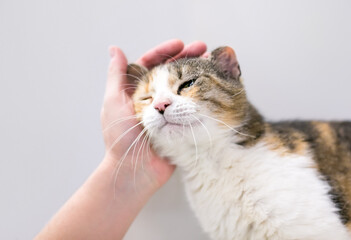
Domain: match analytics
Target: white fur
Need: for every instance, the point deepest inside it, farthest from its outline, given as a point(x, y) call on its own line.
point(242, 193)
point(160, 82)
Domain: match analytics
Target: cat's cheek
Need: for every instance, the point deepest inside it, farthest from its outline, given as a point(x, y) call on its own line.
point(139, 109)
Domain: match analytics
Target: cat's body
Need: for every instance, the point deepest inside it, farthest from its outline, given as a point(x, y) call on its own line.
point(265, 191)
point(246, 178)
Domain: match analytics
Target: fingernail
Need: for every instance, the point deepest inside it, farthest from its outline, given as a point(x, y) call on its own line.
point(112, 52)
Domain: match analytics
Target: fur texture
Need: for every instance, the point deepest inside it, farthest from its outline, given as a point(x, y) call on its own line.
point(245, 178)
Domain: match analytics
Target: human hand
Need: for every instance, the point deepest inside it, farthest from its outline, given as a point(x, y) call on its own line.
point(95, 211)
point(127, 148)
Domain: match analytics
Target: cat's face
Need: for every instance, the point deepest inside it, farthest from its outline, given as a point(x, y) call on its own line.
point(190, 97)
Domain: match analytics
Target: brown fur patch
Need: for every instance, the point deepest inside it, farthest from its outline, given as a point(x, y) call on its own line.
point(285, 143)
point(334, 158)
point(172, 79)
point(349, 226)
point(327, 134)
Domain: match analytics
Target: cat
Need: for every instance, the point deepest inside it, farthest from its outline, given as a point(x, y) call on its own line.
point(246, 178)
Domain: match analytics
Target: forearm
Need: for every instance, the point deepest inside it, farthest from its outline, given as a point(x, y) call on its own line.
point(103, 208)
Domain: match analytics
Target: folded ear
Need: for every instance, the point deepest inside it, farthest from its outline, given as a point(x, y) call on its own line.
point(226, 61)
point(135, 73)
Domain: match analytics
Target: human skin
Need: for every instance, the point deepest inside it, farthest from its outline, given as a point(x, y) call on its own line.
point(107, 203)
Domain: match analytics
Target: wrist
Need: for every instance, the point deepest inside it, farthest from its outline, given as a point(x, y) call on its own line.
point(126, 178)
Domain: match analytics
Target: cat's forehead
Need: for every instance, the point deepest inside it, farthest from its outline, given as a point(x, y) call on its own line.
point(191, 66)
point(183, 69)
point(161, 78)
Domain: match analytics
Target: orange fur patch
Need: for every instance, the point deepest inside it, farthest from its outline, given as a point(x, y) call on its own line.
point(349, 226)
point(327, 134)
point(276, 143)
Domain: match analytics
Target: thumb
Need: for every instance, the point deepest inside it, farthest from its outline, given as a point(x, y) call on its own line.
point(116, 78)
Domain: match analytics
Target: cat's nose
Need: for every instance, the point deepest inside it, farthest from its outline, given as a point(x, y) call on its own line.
point(162, 104)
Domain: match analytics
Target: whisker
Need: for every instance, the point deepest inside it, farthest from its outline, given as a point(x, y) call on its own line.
point(241, 91)
point(187, 59)
point(129, 84)
point(131, 75)
point(217, 120)
point(137, 157)
point(208, 133)
point(169, 56)
point(126, 132)
point(140, 148)
point(136, 69)
point(137, 138)
point(120, 163)
point(143, 146)
point(115, 122)
point(123, 90)
point(149, 146)
point(196, 153)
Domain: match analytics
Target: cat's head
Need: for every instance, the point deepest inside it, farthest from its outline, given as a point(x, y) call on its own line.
point(188, 98)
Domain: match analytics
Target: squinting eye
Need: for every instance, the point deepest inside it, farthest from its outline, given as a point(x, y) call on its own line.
point(186, 85)
point(146, 99)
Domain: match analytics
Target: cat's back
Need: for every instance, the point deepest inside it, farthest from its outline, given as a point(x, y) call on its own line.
point(269, 188)
point(329, 143)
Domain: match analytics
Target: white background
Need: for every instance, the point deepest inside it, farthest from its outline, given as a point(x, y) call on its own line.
point(295, 57)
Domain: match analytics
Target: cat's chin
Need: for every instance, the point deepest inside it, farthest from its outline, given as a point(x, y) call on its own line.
point(178, 127)
point(172, 126)
point(172, 133)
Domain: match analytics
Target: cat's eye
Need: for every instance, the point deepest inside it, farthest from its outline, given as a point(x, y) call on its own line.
point(146, 99)
point(186, 85)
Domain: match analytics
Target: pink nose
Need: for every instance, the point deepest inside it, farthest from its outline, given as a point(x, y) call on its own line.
point(162, 104)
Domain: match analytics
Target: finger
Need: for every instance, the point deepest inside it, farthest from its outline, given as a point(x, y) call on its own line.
point(194, 49)
point(161, 53)
point(116, 78)
point(206, 55)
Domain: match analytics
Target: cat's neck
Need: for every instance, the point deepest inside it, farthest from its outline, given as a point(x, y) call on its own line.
point(253, 128)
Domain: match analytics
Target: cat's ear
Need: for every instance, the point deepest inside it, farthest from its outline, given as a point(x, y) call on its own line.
point(226, 61)
point(135, 73)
